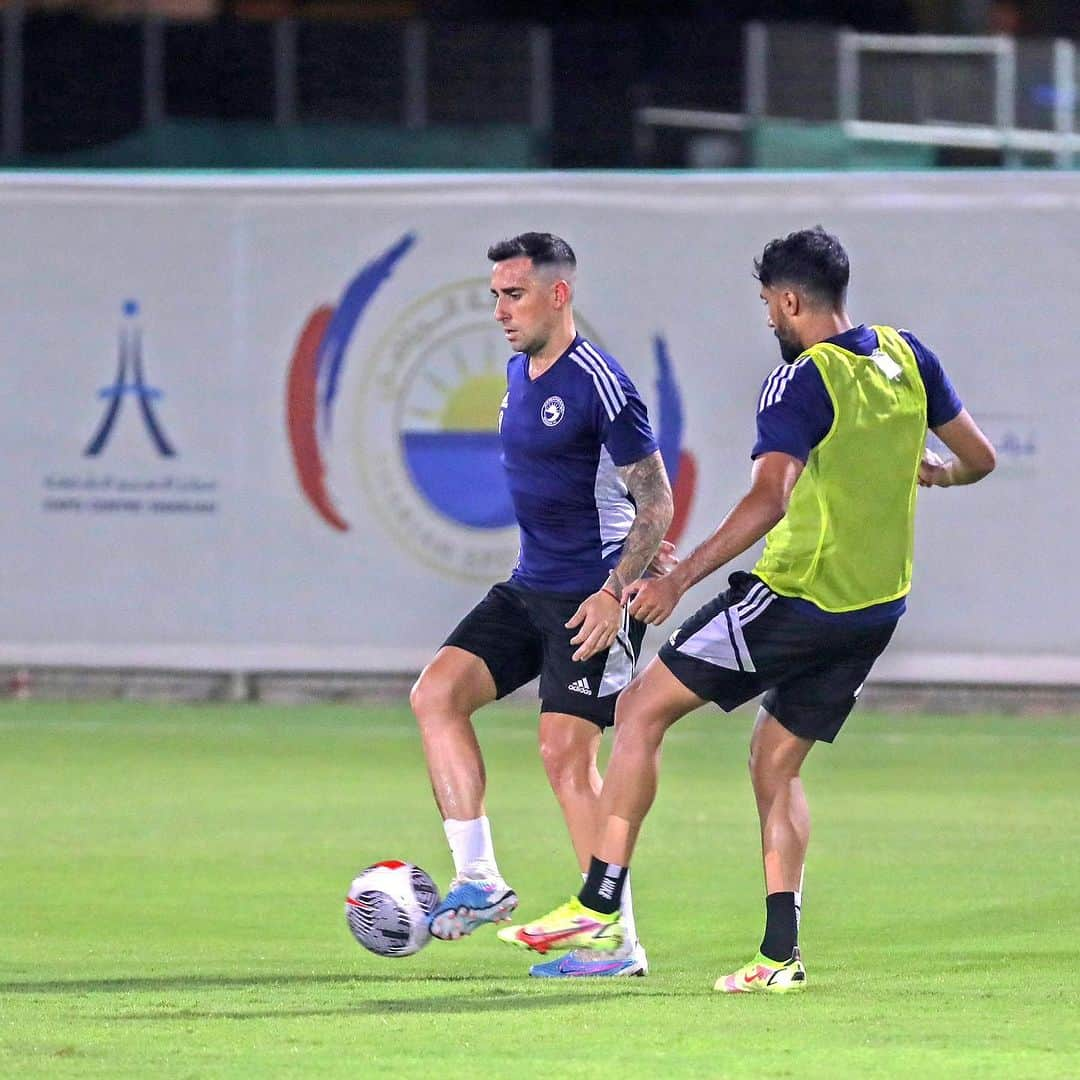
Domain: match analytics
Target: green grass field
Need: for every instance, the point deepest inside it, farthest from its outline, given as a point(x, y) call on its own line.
point(171, 884)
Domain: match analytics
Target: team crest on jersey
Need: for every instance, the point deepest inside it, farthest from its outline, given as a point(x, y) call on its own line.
point(552, 411)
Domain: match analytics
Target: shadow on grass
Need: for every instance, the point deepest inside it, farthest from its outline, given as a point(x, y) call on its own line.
point(504, 994)
point(237, 982)
point(469, 1003)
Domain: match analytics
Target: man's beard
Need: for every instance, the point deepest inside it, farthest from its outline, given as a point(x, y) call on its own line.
point(537, 344)
point(790, 351)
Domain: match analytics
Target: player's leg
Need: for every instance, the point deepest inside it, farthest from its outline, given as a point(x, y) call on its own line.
point(654, 701)
point(700, 662)
point(578, 700)
point(450, 689)
point(776, 757)
point(568, 749)
point(569, 746)
point(647, 708)
point(809, 706)
point(491, 652)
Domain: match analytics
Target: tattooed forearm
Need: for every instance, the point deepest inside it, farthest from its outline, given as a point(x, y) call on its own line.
point(647, 482)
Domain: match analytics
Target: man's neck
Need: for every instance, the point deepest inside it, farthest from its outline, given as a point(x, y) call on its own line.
point(826, 326)
point(553, 348)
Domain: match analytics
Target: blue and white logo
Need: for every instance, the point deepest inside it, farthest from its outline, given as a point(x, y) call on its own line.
point(552, 411)
point(130, 381)
point(131, 485)
point(426, 418)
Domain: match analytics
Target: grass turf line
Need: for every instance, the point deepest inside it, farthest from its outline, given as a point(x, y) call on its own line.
point(172, 882)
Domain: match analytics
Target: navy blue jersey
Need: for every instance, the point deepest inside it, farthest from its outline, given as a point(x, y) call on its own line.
point(795, 413)
point(564, 435)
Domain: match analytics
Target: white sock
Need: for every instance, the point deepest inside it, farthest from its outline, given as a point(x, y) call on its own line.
point(626, 913)
point(470, 842)
point(798, 900)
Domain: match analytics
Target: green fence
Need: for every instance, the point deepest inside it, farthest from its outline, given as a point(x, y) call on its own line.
point(179, 144)
point(791, 144)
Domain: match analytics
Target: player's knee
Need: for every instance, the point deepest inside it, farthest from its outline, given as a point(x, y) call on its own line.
point(763, 779)
point(430, 698)
point(636, 724)
point(758, 762)
point(418, 699)
point(769, 771)
point(566, 766)
point(760, 775)
point(552, 755)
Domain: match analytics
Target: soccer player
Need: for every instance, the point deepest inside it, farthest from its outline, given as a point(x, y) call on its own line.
point(592, 502)
point(841, 428)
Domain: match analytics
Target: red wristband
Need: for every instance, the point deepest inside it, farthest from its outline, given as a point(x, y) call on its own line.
point(612, 595)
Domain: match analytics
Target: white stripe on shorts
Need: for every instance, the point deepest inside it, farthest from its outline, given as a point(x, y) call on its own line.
point(619, 667)
point(753, 604)
point(720, 642)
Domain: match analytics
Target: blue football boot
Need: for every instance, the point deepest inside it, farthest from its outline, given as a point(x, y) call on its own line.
point(587, 963)
point(478, 895)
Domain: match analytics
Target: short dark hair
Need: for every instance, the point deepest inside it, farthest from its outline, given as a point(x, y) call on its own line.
point(544, 248)
point(811, 259)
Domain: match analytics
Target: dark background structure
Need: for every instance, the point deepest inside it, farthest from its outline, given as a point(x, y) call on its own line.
point(83, 68)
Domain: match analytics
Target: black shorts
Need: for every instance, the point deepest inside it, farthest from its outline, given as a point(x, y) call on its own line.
point(749, 641)
point(520, 634)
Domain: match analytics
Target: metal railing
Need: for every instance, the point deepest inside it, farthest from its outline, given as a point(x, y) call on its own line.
point(1002, 135)
point(1061, 141)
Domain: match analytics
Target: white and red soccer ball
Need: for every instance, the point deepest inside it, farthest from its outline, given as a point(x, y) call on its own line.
point(388, 908)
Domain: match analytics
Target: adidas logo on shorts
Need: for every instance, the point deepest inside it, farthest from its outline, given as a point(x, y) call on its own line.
point(580, 686)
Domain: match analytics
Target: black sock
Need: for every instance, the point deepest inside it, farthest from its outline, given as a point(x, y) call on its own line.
point(781, 928)
point(603, 886)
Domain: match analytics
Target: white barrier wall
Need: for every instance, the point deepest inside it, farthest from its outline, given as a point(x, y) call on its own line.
point(248, 423)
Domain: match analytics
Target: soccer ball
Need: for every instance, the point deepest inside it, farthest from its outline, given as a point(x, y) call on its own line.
point(388, 908)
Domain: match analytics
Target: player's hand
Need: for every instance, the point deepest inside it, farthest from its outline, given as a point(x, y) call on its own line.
point(599, 617)
point(664, 561)
point(652, 600)
point(931, 469)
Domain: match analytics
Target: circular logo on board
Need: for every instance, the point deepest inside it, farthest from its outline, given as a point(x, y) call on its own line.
point(425, 423)
point(429, 450)
point(429, 440)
